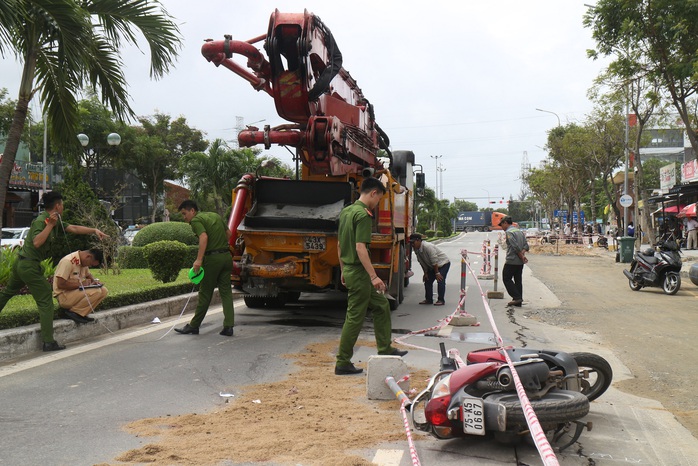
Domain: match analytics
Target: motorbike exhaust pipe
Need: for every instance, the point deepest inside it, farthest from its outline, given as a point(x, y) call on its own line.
point(505, 379)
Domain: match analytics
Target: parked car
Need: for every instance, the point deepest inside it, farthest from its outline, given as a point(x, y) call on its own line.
point(129, 234)
point(14, 237)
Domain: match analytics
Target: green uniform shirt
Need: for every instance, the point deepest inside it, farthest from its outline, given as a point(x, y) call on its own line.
point(212, 224)
point(57, 234)
point(355, 225)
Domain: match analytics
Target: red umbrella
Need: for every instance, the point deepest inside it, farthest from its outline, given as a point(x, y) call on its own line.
point(688, 211)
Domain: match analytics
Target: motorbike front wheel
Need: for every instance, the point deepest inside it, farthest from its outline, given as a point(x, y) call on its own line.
point(671, 283)
point(555, 407)
point(600, 374)
point(634, 285)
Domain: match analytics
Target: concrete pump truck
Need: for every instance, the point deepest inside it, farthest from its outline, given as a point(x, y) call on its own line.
point(284, 239)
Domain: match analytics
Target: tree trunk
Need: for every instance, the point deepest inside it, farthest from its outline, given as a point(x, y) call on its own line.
point(19, 118)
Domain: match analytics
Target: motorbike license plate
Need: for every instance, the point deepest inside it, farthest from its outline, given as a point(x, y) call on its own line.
point(473, 417)
point(315, 243)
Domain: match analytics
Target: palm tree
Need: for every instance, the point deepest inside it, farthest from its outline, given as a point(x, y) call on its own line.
point(212, 175)
point(67, 44)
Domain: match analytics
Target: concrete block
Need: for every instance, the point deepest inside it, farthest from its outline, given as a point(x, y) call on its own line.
point(495, 294)
point(463, 320)
point(380, 367)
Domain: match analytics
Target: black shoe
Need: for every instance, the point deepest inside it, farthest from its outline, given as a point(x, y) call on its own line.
point(515, 302)
point(53, 346)
point(187, 329)
point(227, 332)
point(347, 370)
point(77, 318)
point(397, 352)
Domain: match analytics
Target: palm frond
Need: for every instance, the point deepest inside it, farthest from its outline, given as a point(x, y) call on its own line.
point(125, 19)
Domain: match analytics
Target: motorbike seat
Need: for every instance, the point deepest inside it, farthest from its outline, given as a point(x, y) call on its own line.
point(651, 260)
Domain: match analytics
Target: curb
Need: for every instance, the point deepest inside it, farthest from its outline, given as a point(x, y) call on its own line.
point(22, 341)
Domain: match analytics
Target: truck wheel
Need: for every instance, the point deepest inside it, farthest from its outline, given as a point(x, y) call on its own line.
point(255, 302)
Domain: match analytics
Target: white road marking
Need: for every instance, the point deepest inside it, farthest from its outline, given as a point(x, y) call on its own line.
point(388, 457)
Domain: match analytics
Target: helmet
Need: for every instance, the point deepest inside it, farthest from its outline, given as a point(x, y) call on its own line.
point(194, 277)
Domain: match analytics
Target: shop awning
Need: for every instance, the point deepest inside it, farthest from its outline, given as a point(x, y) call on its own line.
point(672, 209)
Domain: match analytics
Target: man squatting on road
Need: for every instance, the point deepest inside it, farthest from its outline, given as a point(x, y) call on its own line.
point(76, 290)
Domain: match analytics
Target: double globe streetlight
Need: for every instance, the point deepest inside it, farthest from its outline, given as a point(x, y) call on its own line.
point(113, 139)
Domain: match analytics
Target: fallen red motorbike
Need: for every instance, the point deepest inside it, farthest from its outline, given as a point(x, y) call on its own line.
point(480, 398)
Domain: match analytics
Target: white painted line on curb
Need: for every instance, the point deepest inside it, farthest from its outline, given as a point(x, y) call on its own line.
point(68, 352)
point(388, 457)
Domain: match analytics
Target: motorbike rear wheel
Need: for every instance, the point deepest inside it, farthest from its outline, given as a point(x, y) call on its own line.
point(600, 374)
point(555, 407)
point(671, 282)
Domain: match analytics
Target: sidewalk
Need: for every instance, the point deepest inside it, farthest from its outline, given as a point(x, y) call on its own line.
point(21, 341)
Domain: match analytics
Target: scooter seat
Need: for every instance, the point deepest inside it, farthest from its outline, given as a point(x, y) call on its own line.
point(651, 260)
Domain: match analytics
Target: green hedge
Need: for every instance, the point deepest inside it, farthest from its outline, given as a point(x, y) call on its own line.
point(132, 257)
point(165, 231)
point(165, 259)
point(22, 317)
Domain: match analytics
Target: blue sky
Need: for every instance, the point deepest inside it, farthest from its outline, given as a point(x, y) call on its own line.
point(459, 79)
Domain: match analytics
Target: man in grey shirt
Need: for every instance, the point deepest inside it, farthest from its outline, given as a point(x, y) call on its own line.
point(516, 258)
point(435, 264)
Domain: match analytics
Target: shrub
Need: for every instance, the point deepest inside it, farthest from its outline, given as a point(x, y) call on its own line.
point(165, 259)
point(439, 234)
point(429, 233)
point(7, 259)
point(192, 252)
point(131, 257)
point(165, 231)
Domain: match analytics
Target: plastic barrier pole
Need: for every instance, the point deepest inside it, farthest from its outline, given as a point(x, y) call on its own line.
point(463, 274)
point(496, 265)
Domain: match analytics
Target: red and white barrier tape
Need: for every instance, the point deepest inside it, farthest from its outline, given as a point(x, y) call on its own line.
point(544, 449)
point(408, 431)
point(442, 323)
point(404, 400)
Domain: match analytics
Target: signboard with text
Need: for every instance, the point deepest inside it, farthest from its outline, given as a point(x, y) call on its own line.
point(667, 177)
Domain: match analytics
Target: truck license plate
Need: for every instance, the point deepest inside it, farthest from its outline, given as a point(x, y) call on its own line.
point(315, 243)
point(473, 417)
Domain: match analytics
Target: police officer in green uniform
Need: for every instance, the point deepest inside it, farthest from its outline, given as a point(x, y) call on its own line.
point(365, 288)
point(214, 256)
point(44, 232)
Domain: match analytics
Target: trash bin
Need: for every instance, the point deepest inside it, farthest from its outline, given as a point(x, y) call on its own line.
point(626, 248)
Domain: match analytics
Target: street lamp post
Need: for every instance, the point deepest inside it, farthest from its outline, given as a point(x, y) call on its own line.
point(488, 196)
point(436, 173)
point(548, 111)
point(113, 139)
point(441, 180)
